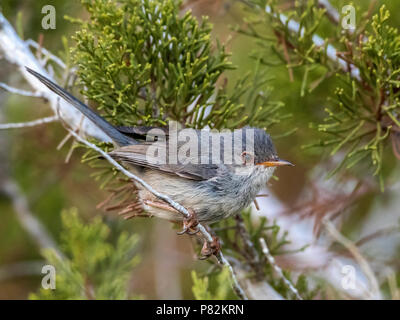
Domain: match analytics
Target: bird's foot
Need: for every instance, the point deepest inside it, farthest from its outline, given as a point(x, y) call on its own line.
point(190, 224)
point(210, 249)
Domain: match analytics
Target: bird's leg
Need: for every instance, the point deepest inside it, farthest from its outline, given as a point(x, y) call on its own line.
point(210, 249)
point(189, 223)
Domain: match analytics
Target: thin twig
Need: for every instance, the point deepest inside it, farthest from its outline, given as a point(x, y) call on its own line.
point(249, 248)
point(256, 204)
point(335, 234)
point(27, 219)
point(20, 91)
point(33, 123)
point(379, 233)
point(331, 12)
point(287, 57)
point(63, 141)
point(46, 52)
point(17, 52)
point(21, 269)
point(234, 282)
point(294, 26)
point(331, 51)
point(72, 147)
point(277, 269)
point(220, 257)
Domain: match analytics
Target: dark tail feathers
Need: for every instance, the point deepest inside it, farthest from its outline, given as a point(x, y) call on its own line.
point(118, 137)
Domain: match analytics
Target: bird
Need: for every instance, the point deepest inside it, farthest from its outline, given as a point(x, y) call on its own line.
point(210, 188)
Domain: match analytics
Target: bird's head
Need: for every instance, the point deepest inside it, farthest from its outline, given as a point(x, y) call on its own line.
point(259, 151)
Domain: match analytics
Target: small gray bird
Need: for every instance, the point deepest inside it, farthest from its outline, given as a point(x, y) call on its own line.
point(210, 190)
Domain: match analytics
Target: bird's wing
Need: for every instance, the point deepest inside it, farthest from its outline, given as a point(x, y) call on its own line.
point(143, 132)
point(141, 155)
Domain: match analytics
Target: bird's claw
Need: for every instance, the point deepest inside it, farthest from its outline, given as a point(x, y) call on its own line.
point(190, 223)
point(210, 249)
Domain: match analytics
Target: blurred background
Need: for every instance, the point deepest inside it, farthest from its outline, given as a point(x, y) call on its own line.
point(50, 183)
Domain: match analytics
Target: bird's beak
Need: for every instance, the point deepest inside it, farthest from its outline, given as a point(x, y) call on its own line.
point(276, 163)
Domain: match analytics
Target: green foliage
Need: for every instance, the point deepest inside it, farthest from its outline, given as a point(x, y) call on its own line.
point(309, 16)
point(301, 284)
point(363, 109)
point(365, 112)
point(94, 268)
point(104, 172)
point(202, 290)
point(143, 63)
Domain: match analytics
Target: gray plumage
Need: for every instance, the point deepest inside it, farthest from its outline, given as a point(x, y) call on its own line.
point(214, 190)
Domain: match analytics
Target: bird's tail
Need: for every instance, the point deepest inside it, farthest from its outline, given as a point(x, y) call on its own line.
point(118, 137)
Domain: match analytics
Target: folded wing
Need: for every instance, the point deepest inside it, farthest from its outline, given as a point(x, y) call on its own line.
point(141, 155)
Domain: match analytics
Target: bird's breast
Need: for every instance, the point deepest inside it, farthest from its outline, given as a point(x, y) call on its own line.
point(212, 199)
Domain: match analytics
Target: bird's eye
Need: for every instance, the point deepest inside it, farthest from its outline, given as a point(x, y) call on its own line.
point(247, 157)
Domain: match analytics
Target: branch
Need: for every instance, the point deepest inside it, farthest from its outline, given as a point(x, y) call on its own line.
point(331, 12)
point(379, 233)
point(20, 92)
point(21, 269)
point(27, 219)
point(46, 52)
point(252, 254)
point(334, 233)
point(277, 269)
point(220, 257)
point(28, 124)
point(331, 51)
point(257, 290)
point(17, 52)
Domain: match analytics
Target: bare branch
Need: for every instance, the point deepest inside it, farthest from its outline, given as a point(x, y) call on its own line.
point(33, 123)
point(254, 259)
point(256, 290)
point(378, 233)
point(20, 91)
point(21, 269)
point(27, 219)
point(46, 52)
point(17, 52)
point(331, 51)
point(277, 269)
point(335, 234)
point(331, 12)
point(235, 283)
